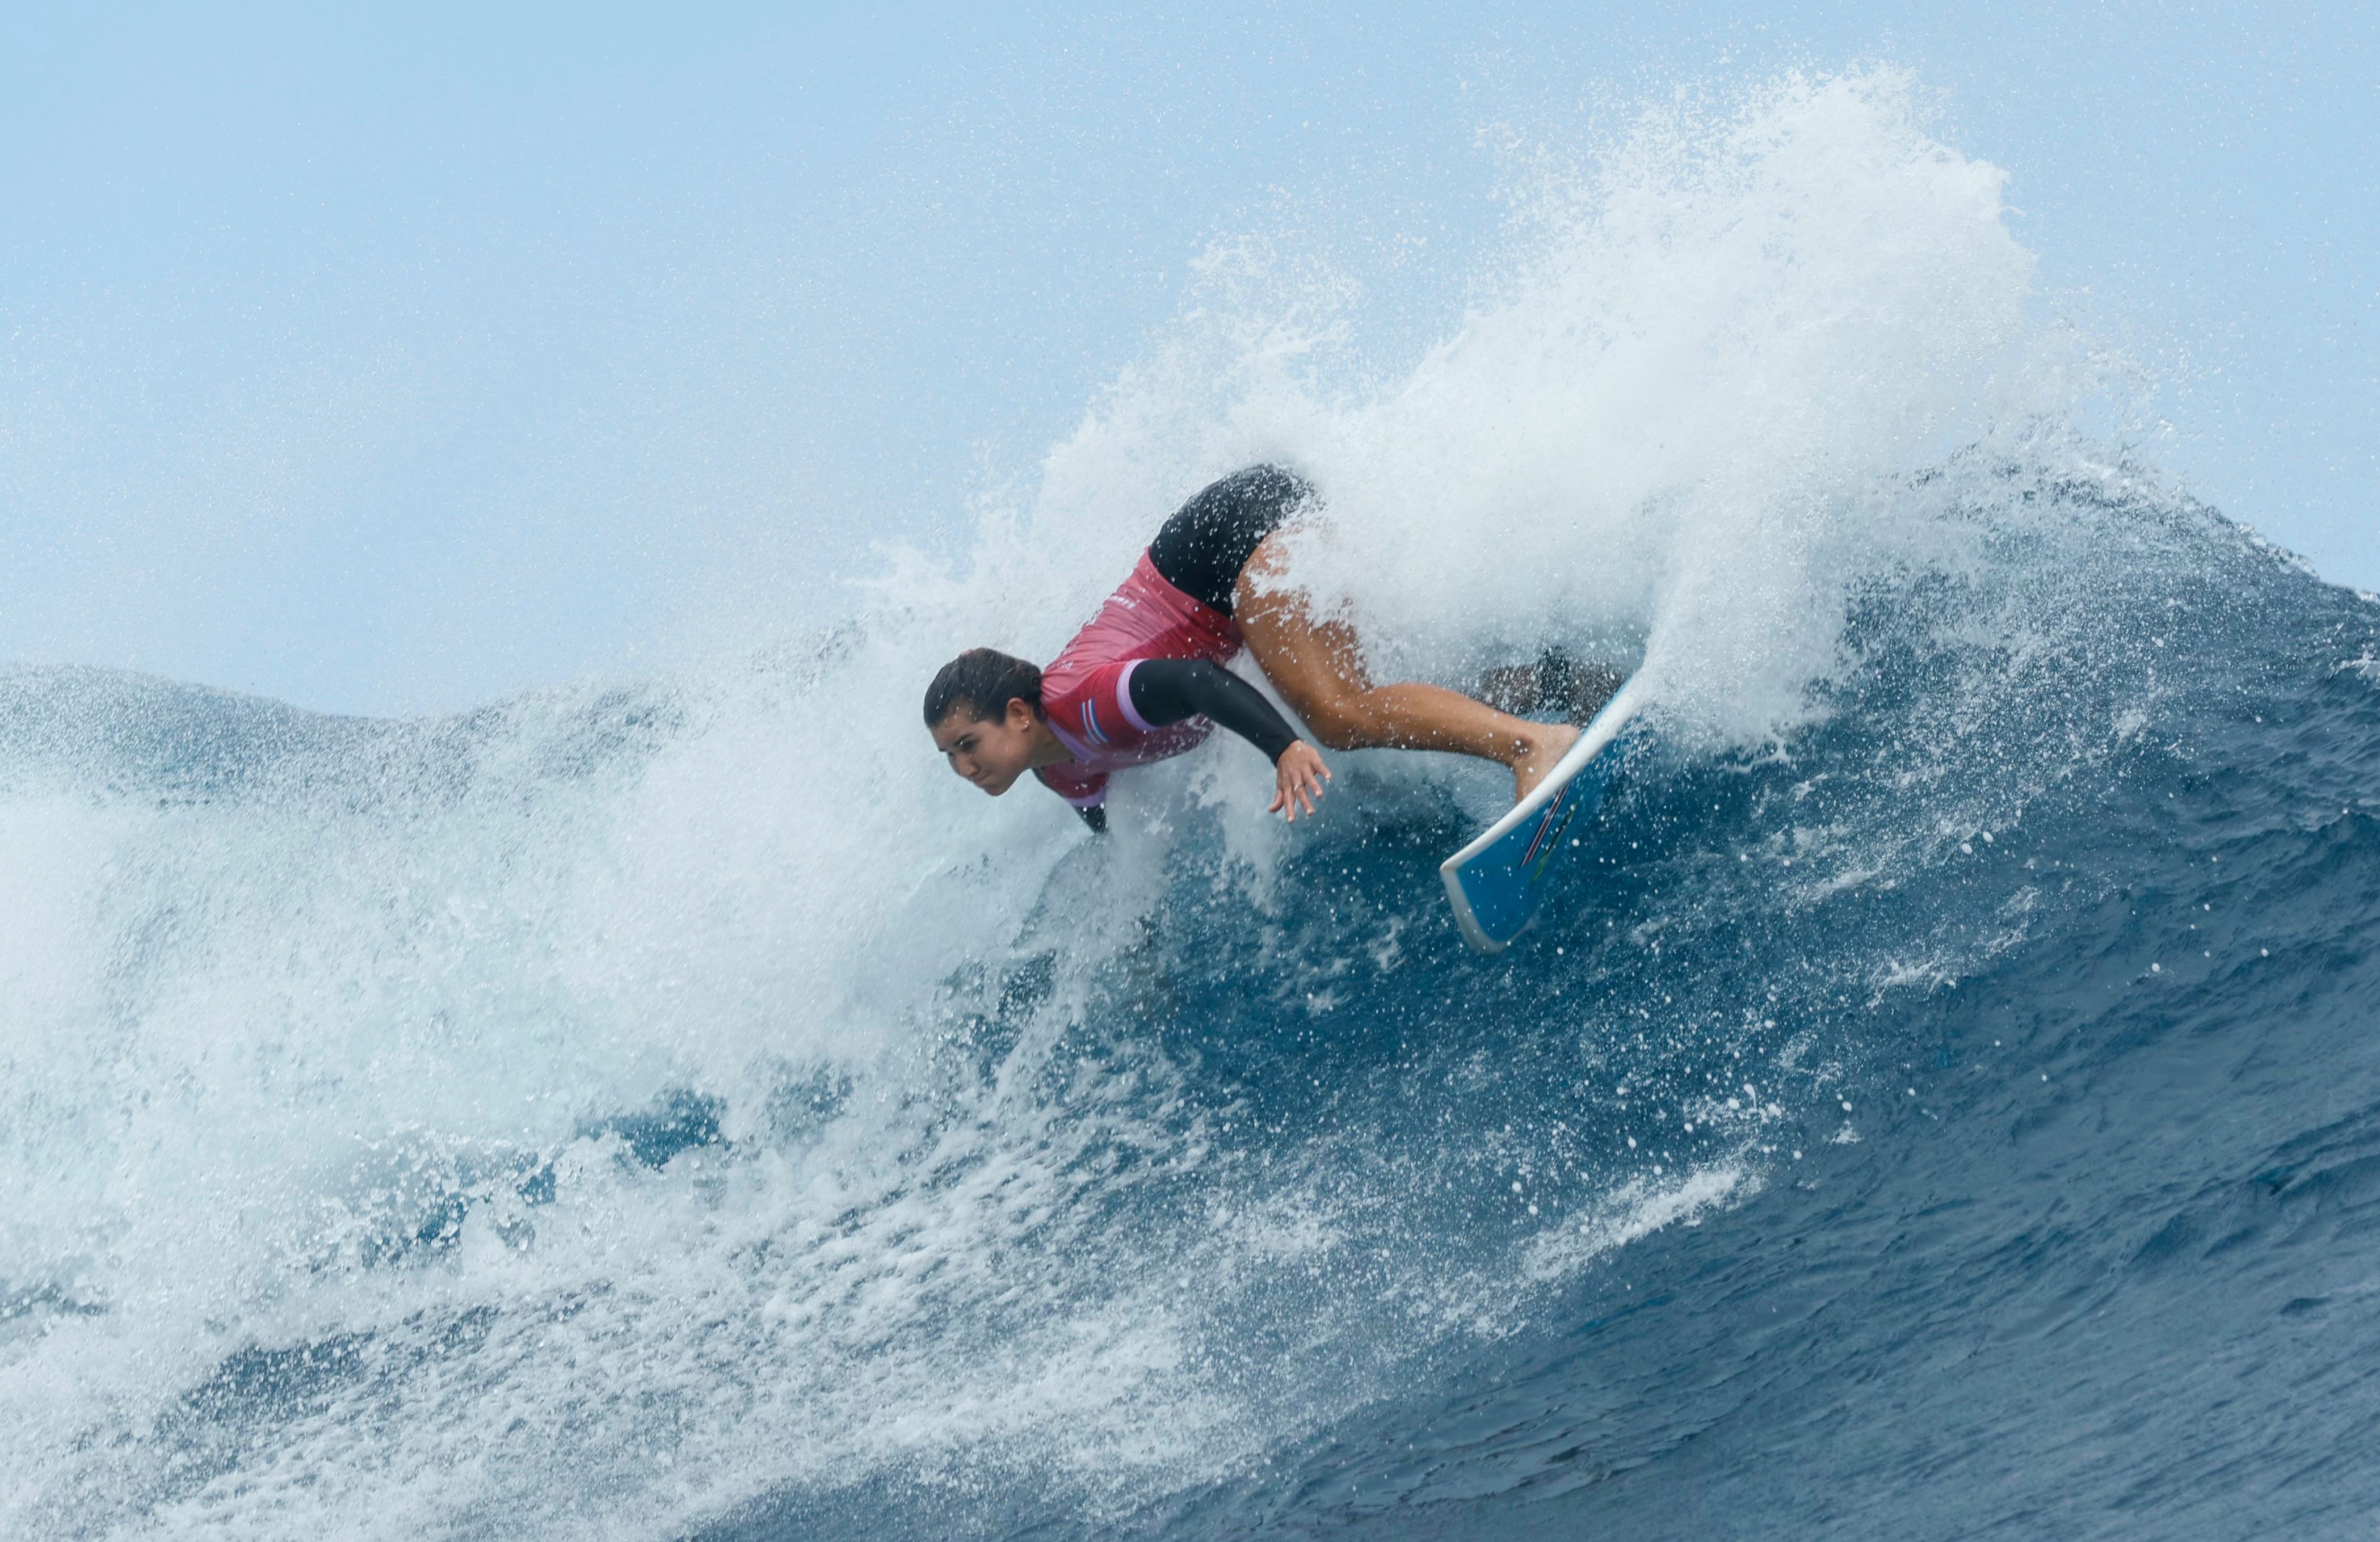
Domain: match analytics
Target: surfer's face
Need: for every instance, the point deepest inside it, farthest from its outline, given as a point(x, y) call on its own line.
point(990, 752)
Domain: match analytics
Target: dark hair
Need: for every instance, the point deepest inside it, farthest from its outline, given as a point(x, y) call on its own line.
point(983, 681)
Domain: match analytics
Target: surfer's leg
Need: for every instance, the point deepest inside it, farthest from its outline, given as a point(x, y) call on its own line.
point(1318, 666)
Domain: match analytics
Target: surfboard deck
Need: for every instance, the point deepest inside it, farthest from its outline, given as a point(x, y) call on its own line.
point(1497, 881)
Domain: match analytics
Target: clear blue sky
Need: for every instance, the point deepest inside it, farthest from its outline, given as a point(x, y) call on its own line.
point(397, 361)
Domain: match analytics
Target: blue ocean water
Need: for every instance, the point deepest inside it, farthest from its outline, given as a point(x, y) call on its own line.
point(2085, 1244)
point(1960, 1116)
point(1944, 1104)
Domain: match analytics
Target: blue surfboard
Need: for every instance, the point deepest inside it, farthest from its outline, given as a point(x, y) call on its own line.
point(1497, 881)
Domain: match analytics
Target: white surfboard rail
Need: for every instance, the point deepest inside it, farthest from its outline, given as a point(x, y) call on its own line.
point(1606, 726)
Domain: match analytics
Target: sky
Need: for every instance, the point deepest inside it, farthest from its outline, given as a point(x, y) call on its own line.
point(392, 359)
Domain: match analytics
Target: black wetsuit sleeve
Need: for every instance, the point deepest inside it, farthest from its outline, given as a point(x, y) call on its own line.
point(1167, 690)
point(1096, 818)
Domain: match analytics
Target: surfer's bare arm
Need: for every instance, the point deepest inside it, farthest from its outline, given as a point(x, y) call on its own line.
point(1167, 690)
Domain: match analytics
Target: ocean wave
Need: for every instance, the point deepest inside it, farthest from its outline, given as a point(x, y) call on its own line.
point(678, 1107)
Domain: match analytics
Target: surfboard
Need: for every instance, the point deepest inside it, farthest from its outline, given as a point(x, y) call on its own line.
point(1497, 881)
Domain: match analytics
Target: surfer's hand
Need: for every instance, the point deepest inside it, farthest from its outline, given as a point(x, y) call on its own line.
point(1298, 777)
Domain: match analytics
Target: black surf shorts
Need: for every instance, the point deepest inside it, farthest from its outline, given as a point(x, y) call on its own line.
point(1201, 550)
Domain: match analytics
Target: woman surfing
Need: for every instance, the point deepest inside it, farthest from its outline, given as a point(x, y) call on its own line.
point(1145, 679)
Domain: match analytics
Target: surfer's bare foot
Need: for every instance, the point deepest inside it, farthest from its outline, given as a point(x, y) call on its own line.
point(1546, 741)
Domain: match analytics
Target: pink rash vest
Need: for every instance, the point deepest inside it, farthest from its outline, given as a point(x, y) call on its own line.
point(1087, 691)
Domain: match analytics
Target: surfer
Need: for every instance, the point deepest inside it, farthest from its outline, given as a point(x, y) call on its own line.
point(1145, 679)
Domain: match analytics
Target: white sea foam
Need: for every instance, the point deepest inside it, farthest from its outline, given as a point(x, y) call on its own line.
point(1663, 424)
point(281, 1058)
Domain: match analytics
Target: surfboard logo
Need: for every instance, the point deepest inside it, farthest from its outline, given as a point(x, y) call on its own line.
point(1497, 881)
point(1548, 839)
